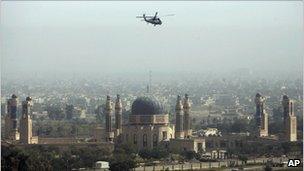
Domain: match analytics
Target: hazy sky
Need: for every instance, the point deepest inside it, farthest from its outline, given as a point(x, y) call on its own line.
point(95, 36)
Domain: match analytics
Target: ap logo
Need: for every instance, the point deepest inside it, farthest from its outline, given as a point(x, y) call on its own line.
point(293, 163)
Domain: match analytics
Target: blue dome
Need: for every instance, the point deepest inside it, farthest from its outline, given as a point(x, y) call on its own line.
point(147, 106)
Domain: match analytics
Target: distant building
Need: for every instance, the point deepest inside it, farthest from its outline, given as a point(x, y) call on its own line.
point(224, 100)
point(208, 132)
point(118, 116)
point(290, 120)
point(179, 125)
point(149, 126)
point(187, 117)
point(25, 129)
point(102, 165)
point(261, 116)
point(79, 113)
point(11, 129)
point(98, 134)
point(26, 134)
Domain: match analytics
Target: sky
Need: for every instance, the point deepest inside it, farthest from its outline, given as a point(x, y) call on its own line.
point(55, 37)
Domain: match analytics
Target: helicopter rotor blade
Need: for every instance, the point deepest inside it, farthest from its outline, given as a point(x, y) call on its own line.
point(168, 15)
point(145, 16)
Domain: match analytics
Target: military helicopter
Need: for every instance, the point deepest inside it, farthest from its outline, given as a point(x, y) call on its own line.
point(155, 20)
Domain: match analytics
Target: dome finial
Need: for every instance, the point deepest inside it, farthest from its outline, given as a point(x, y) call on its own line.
point(285, 97)
point(186, 96)
point(259, 99)
point(187, 102)
point(118, 104)
point(179, 104)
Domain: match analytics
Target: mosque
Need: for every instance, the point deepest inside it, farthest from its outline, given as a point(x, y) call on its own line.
point(149, 127)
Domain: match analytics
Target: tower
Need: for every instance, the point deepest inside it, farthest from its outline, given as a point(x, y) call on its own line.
point(261, 116)
point(7, 122)
point(118, 116)
point(26, 122)
point(109, 133)
point(179, 121)
point(11, 131)
point(187, 118)
point(290, 120)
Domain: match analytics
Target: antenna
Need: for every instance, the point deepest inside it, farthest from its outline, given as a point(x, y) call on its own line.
point(150, 81)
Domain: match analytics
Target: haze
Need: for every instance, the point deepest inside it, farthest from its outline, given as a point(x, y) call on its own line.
point(41, 38)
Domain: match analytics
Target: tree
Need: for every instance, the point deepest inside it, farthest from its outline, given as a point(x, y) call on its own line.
point(155, 153)
point(55, 112)
point(122, 162)
point(40, 157)
point(127, 148)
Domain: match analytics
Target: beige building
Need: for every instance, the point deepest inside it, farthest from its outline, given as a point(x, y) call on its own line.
point(26, 135)
point(196, 144)
point(98, 133)
point(148, 126)
point(11, 129)
point(264, 125)
point(290, 120)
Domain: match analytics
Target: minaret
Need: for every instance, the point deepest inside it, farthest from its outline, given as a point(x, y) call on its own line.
point(26, 122)
point(290, 120)
point(11, 130)
point(118, 116)
point(261, 116)
point(7, 122)
point(109, 133)
point(187, 118)
point(179, 121)
point(258, 103)
point(286, 106)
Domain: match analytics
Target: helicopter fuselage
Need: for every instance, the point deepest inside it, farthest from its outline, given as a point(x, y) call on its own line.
point(155, 21)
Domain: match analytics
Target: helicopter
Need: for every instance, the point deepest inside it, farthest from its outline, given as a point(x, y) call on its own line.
point(155, 20)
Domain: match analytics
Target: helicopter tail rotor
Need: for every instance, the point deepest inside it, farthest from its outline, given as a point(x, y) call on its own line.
point(144, 16)
point(155, 15)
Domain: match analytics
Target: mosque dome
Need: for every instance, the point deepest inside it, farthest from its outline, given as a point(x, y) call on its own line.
point(147, 106)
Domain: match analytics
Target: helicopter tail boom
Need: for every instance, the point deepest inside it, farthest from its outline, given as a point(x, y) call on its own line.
point(144, 16)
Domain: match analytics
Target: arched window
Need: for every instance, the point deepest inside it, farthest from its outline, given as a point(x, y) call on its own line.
point(145, 143)
point(154, 140)
point(164, 135)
